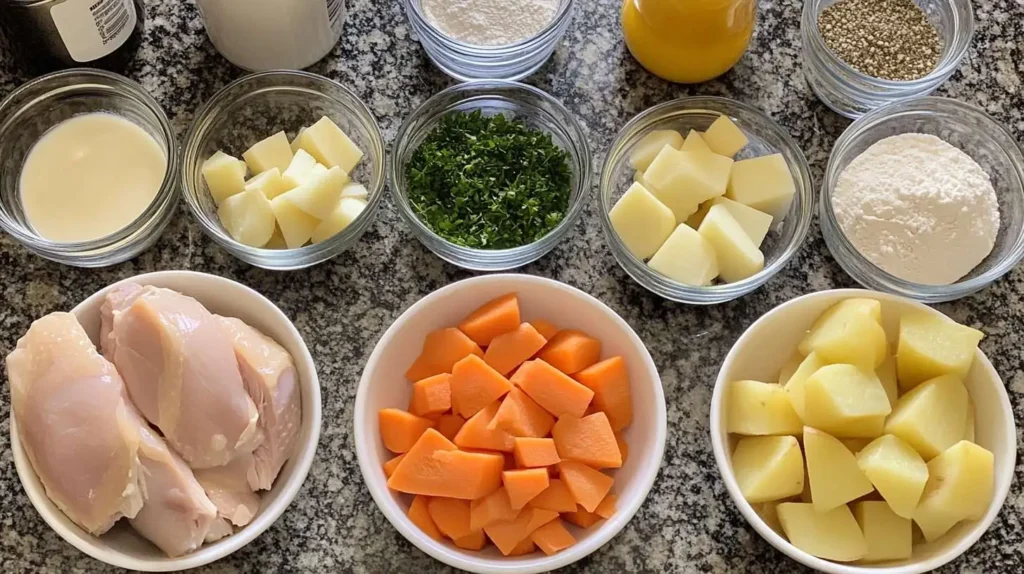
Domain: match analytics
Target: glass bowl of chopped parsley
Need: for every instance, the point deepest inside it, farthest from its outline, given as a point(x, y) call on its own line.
point(490, 175)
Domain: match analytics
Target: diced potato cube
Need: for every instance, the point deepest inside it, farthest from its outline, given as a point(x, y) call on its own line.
point(886, 373)
point(724, 137)
point(896, 470)
point(277, 239)
point(969, 424)
point(789, 368)
point(856, 444)
point(683, 180)
point(269, 183)
point(319, 195)
point(296, 144)
point(832, 535)
point(845, 401)
point(960, 486)
point(247, 217)
point(224, 175)
point(638, 177)
point(932, 416)
point(355, 190)
point(269, 153)
point(756, 408)
point(835, 477)
point(298, 170)
point(888, 535)
point(848, 332)
point(738, 257)
point(694, 142)
point(641, 221)
point(795, 385)
point(325, 141)
point(296, 225)
point(649, 146)
point(764, 183)
point(768, 512)
point(686, 257)
point(347, 210)
point(768, 468)
point(932, 345)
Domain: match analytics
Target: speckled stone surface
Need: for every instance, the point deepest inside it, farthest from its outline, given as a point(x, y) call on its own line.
point(688, 523)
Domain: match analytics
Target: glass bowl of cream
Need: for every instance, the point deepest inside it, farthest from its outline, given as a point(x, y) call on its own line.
point(88, 166)
point(938, 239)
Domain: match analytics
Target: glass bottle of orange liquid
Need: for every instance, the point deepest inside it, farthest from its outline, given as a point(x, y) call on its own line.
point(688, 41)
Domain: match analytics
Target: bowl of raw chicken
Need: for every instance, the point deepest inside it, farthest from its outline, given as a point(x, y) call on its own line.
point(166, 421)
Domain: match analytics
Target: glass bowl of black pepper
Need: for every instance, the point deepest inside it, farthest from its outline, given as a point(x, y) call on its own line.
point(490, 175)
point(863, 54)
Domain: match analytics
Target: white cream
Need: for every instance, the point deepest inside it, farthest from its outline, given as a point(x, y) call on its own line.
point(90, 176)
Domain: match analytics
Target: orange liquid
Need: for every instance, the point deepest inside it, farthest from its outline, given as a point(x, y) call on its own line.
point(688, 41)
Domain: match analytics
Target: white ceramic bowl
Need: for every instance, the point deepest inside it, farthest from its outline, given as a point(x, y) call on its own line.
point(383, 385)
point(760, 353)
point(121, 546)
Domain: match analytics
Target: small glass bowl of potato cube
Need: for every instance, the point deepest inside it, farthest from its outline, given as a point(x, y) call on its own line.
point(704, 199)
point(284, 169)
point(863, 432)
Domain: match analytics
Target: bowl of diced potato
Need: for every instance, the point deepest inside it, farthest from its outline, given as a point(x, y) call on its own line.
point(861, 432)
point(704, 199)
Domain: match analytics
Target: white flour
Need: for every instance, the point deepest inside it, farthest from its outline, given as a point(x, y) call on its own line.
point(490, 22)
point(918, 208)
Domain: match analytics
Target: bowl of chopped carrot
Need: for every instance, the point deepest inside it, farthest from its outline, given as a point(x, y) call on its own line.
point(509, 423)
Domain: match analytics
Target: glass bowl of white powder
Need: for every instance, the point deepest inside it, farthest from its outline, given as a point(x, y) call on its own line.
point(484, 39)
point(925, 199)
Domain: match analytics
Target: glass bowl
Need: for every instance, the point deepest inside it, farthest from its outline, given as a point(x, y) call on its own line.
point(526, 103)
point(852, 93)
point(31, 110)
point(261, 104)
point(765, 137)
point(965, 127)
point(472, 62)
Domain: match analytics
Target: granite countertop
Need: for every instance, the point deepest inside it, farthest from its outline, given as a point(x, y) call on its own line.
point(688, 523)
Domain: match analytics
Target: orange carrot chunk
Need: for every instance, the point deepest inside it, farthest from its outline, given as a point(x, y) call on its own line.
point(474, 474)
point(400, 430)
point(589, 440)
point(441, 350)
point(392, 464)
point(534, 452)
point(420, 516)
point(570, 351)
point(552, 389)
point(449, 425)
point(588, 486)
point(556, 497)
point(552, 537)
point(475, 385)
point(545, 328)
point(540, 517)
point(509, 350)
point(582, 518)
point(506, 535)
point(431, 396)
point(525, 547)
point(495, 317)
point(495, 507)
point(623, 447)
point(524, 484)
point(520, 416)
point(476, 433)
point(451, 516)
point(475, 540)
point(609, 380)
point(607, 507)
point(434, 467)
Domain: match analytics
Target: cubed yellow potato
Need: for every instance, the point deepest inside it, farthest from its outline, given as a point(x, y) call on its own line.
point(277, 239)
point(888, 535)
point(969, 423)
point(296, 144)
point(296, 225)
point(724, 137)
point(683, 180)
point(856, 444)
point(960, 486)
point(224, 176)
point(930, 346)
point(845, 401)
point(247, 217)
point(848, 332)
point(269, 183)
point(738, 257)
point(795, 384)
point(886, 373)
point(272, 152)
point(896, 470)
point(753, 222)
point(641, 221)
point(638, 177)
point(694, 142)
point(768, 468)
point(789, 368)
point(756, 408)
point(768, 511)
point(355, 191)
point(686, 257)
point(832, 535)
point(764, 183)
point(298, 170)
point(932, 416)
point(331, 147)
point(319, 195)
point(835, 476)
point(347, 210)
point(650, 145)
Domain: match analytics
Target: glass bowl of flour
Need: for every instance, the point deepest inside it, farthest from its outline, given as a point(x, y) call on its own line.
point(925, 199)
point(484, 39)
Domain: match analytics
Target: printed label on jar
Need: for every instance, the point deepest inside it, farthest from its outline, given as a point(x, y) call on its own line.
point(336, 15)
point(92, 29)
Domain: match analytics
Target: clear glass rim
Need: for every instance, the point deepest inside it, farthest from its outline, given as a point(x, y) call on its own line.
point(476, 50)
point(877, 277)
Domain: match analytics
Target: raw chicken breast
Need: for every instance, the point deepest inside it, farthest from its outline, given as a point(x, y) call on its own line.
point(229, 489)
point(75, 422)
point(178, 363)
